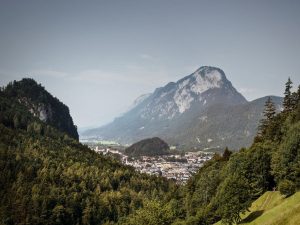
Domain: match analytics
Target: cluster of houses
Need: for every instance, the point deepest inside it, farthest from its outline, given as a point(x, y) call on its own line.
point(177, 167)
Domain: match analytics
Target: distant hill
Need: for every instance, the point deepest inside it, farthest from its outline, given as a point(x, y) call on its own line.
point(148, 147)
point(202, 110)
point(41, 104)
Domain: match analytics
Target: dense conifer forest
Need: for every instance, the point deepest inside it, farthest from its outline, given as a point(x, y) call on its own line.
point(48, 177)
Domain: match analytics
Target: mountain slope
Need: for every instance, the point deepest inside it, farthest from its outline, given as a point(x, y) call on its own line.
point(190, 114)
point(224, 188)
point(224, 125)
point(48, 178)
point(41, 104)
point(273, 209)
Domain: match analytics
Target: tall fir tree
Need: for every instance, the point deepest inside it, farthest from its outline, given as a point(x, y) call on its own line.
point(298, 96)
point(288, 98)
point(226, 154)
point(270, 109)
point(269, 114)
point(294, 100)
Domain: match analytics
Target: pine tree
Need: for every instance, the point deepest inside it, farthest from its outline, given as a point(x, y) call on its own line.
point(288, 100)
point(294, 101)
point(270, 109)
point(269, 114)
point(226, 154)
point(298, 96)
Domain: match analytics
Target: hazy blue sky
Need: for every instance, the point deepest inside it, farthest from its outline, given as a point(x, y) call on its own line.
point(98, 56)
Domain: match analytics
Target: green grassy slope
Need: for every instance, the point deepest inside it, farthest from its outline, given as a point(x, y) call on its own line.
point(273, 209)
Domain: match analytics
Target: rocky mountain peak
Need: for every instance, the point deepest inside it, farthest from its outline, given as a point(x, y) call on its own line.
point(207, 85)
point(207, 77)
point(210, 73)
point(187, 112)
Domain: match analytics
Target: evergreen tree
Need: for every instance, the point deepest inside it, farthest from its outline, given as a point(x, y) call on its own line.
point(298, 96)
point(286, 160)
point(270, 109)
point(226, 154)
point(269, 114)
point(233, 198)
point(288, 100)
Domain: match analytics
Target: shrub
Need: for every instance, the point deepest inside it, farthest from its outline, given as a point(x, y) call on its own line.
point(287, 188)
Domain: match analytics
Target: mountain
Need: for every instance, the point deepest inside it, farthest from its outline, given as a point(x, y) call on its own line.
point(41, 104)
point(222, 125)
point(46, 177)
point(148, 147)
point(202, 110)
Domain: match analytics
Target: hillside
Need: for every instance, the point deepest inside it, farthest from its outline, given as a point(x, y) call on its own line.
point(273, 209)
point(148, 147)
point(47, 177)
point(41, 104)
point(202, 111)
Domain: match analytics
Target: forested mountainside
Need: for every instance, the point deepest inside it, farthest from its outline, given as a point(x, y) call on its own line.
point(49, 178)
point(41, 104)
point(226, 186)
point(201, 111)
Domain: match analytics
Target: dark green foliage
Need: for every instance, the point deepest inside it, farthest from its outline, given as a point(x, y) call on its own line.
point(269, 114)
point(298, 96)
point(148, 147)
point(233, 198)
point(226, 154)
point(286, 160)
point(42, 104)
point(254, 165)
point(288, 98)
point(287, 187)
point(48, 178)
point(153, 213)
point(52, 181)
point(201, 189)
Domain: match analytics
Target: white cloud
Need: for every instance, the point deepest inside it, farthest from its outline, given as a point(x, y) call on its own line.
point(146, 56)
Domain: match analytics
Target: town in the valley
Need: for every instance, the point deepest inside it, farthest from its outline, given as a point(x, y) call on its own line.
point(172, 166)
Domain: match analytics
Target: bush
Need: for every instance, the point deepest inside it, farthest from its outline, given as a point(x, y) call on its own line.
point(287, 188)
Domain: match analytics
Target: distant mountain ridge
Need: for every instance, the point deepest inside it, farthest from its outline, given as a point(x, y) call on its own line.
point(202, 110)
point(174, 99)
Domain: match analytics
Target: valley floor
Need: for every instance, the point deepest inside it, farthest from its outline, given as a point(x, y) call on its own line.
point(177, 167)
